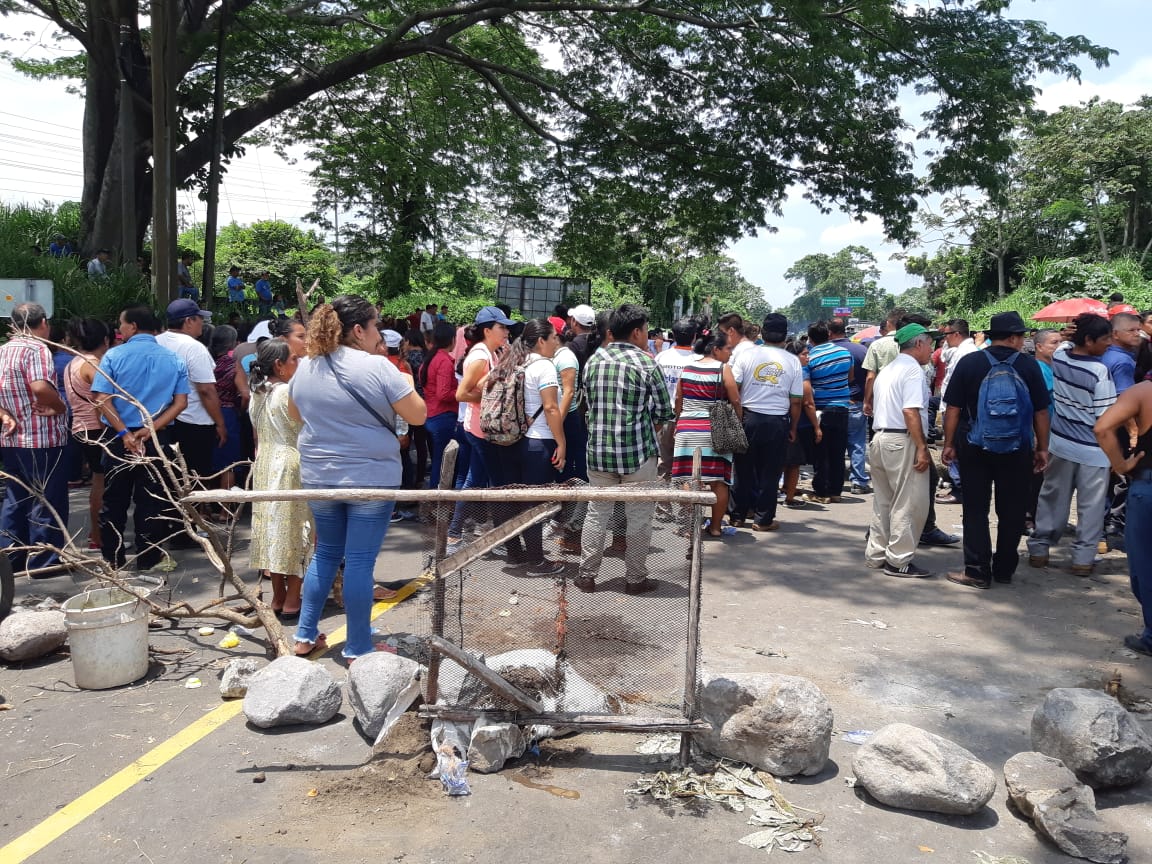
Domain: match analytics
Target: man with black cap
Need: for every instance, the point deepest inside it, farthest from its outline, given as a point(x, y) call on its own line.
point(996, 426)
point(771, 388)
point(898, 456)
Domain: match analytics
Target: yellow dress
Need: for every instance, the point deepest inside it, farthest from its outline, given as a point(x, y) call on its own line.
point(281, 530)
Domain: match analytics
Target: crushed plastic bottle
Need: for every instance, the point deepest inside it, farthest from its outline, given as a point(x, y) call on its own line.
point(856, 736)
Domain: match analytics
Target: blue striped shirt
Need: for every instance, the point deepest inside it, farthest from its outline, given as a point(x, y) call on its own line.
point(827, 369)
point(1083, 390)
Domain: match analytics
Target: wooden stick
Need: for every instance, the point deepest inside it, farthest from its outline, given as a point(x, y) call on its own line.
point(624, 494)
point(570, 720)
point(481, 546)
point(446, 480)
point(692, 655)
point(488, 676)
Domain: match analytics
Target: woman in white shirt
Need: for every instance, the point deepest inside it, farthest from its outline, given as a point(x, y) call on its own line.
point(538, 457)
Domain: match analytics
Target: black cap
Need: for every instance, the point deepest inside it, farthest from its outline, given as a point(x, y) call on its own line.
point(774, 322)
point(1007, 322)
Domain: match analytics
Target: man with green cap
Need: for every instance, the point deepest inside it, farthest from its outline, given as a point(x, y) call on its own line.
point(898, 457)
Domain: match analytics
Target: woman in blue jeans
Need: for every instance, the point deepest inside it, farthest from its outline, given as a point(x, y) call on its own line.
point(348, 399)
point(538, 457)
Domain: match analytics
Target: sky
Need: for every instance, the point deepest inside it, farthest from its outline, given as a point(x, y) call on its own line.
point(40, 155)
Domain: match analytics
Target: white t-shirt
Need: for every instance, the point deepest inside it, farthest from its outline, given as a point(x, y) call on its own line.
point(899, 385)
point(539, 374)
point(672, 362)
point(201, 370)
point(951, 358)
point(565, 358)
point(427, 320)
point(768, 377)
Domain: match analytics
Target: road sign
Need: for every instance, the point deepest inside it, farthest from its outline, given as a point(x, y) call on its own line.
point(856, 301)
point(842, 310)
point(829, 301)
point(15, 291)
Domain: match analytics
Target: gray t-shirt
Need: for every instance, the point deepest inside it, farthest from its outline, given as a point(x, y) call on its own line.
point(342, 444)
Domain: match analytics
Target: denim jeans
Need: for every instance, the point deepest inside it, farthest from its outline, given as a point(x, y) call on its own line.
point(477, 479)
point(528, 462)
point(858, 444)
point(573, 513)
point(440, 430)
point(25, 519)
point(348, 531)
point(1138, 541)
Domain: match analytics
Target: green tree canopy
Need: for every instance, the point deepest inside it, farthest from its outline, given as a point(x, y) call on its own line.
point(700, 113)
point(851, 272)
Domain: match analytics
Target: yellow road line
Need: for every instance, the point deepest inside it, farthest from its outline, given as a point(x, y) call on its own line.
point(75, 812)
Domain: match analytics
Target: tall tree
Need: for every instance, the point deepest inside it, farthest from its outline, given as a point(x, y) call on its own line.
point(703, 112)
point(851, 272)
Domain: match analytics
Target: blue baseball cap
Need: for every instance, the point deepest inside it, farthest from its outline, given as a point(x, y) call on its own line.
point(185, 308)
point(492, 315)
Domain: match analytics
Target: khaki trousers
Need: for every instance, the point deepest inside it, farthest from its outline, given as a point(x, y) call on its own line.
point(899, 501)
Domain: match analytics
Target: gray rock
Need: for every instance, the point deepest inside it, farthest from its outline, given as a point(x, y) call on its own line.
point(1093, 735)
point(1062, 808)
point(28, 635)
point(906, 767)
point(376, 682)
point(291, 690)
point(493, 744)
point(779, 723)
point(237, 675)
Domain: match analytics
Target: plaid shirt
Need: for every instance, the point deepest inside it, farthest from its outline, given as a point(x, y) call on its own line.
point(22, 361)
point(627, 397)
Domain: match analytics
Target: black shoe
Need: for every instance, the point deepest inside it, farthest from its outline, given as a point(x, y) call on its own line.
point(936, 537)
point(544, 568)
point(969, 581)
point(1137, 644)
point(585, 583)
point(861, 490)
point(1003, 580)
point(908, 571)
point(642, 587)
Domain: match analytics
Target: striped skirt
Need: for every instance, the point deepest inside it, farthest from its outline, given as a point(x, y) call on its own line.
point(693, 432)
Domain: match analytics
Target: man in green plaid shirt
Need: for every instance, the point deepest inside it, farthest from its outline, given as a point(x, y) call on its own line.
point(627, 400)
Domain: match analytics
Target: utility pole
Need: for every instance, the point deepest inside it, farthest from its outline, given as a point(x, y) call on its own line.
point(211, 218)
point(127, 129)
point(164, 19)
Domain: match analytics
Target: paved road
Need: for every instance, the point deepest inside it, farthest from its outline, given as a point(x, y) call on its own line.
point(969, 665)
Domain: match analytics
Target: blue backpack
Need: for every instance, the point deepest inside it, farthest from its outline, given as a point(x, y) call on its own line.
point(1003, 422)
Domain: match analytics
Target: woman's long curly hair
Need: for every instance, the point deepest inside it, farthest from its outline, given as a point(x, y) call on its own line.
point(330, 324)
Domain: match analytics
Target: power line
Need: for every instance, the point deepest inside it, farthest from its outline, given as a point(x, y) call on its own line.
point(37, 120)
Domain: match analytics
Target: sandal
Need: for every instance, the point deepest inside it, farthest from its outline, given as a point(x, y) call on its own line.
point(319, 645)
point(380, 593)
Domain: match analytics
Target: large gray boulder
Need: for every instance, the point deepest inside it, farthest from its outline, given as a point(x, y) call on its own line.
point(237, 675)
point(1062, 808)
point(1093, 735)
point(779, 723)
point(29, 635)
point(906, 767)
point(291, 690)
point(381, 686)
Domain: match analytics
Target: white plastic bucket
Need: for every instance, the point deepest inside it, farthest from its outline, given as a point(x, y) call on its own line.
point(107, 636)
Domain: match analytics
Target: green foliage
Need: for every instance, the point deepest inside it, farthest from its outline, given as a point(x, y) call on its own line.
point(75, 295)
point(1046, 281)
point(285, 251)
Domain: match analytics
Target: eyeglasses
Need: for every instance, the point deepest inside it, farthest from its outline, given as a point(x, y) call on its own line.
point(948, 332)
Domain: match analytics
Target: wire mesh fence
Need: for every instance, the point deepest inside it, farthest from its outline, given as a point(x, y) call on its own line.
point(523, 601)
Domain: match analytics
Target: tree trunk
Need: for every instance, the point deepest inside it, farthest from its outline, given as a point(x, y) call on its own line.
point(101, 86)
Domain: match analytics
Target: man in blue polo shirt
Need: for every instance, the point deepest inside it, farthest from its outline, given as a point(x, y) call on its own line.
point(157, 381)
point(235, 285)
point(829, 373)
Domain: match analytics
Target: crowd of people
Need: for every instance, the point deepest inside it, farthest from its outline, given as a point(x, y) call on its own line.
point(349, 401)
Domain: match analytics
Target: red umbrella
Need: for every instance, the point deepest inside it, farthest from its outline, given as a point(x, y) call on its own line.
point(1066, 310)
point(866, 333)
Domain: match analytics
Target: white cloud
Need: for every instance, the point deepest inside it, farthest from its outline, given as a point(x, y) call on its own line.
point(853, 232)
point(1125, 88)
